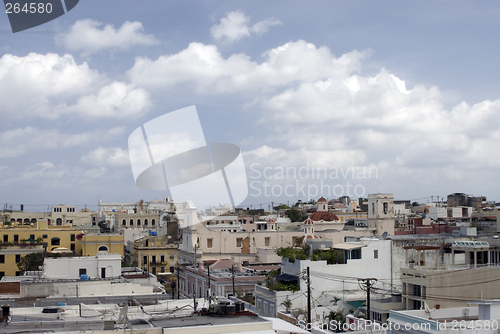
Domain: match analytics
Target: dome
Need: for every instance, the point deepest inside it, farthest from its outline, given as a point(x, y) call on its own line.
point(308, 221)
point(324, 216)
point(322, 200)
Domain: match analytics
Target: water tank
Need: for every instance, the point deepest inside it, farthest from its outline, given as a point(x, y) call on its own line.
point(84, 277)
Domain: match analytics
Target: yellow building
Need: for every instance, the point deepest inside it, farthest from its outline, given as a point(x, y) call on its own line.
point(92, 244)
point(155, 255)
point(52, 236)
point(11, 254)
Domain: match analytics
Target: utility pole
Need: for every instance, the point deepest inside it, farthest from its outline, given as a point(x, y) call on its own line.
point(309, 299)
point(232, 271)
point(209, 288)
point(178, 279)
point(368, 282)
point(306, 275)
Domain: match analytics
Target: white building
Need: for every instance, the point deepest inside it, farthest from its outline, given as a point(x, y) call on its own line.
point(99, 266)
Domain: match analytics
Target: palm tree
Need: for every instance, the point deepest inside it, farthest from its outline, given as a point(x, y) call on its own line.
point(287, 304)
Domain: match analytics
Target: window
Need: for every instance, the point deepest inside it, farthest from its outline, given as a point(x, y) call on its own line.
point(103, 249)
point(138, 222)
point(162, 269)
point(162, 259)
point(124, 222)
point(16, 238)
point(18, 258)
point(153, 222)
point(375, 254)
point(44, 236)
point(172, 269)
point(386, 208)
point(2, 258)
point(239, 242)
point(209, 242)
point(153, 259)
point(145, 222)
point(32, 236)
point(55, 241)
point(145, 260)
point(131, 222)
point(172, 257)
point(5, 238)
point(82, 271)
point(2, 274)
point(72, 237)
point(73, 248)
point(58, 221)
point(267, 241)
point(153, 270)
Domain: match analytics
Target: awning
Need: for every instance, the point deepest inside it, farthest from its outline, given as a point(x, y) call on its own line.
point(287, 278)
point(347, 246)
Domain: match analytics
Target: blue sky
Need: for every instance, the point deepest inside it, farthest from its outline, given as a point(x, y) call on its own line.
point(407, 89)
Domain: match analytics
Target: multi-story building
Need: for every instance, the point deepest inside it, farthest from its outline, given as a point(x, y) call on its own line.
point(222, 272)
point(155, 254)
point(11, 255)
point(452, 285)
point(52, 236)
point(58, 215)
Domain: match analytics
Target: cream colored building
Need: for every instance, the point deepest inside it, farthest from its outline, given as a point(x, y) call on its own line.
point(381, 213)
point(58, 215)
point(212, 243)
point(445, 286)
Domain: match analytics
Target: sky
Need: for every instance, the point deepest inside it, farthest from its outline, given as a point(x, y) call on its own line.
point(324, 98)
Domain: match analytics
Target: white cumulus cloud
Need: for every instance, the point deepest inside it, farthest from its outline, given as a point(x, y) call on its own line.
point(88, 37)
point(107, 156)
point(51, 86)
point(235, 26)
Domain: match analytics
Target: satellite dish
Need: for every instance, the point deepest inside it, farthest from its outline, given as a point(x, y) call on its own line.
point(385, 235)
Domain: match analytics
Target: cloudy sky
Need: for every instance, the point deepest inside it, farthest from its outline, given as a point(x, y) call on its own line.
point(354, 97)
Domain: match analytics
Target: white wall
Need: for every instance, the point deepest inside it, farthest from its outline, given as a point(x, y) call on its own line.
point(69, 267)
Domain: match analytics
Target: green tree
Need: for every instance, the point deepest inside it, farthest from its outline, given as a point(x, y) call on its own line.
point(338, 318)
point(287, 304)
point(30, 262)
point(296, 215)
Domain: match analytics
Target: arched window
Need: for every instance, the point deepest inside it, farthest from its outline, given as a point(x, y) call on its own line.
point(26, 220)
point(131, 222)
point(20, 220)
point(103, 249)
point(145, 222)
point(138, 222)
point(55, 241)
point(153, 222)
point(124, 222)
point(59, 221)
